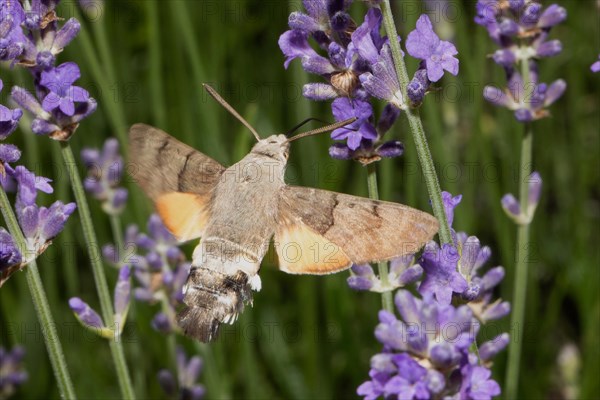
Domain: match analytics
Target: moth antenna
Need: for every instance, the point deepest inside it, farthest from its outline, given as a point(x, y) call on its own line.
point(222, 101)
point(327, 128)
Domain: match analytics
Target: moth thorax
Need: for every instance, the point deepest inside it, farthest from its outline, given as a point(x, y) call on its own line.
point(345, 82)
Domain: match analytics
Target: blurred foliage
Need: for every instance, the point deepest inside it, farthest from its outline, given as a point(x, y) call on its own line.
point(312, 337)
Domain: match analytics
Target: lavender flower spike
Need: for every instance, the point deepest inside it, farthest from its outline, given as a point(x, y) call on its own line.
point(105, 170)
point(12, 373)
point(438, 55)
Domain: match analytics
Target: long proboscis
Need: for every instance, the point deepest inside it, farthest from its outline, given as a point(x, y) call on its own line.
point(231, 110)
point(327, 128)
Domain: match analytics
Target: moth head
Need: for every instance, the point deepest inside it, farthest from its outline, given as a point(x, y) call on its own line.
point(275, 146)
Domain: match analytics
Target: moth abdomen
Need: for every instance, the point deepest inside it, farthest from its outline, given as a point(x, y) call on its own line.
point(212, 298)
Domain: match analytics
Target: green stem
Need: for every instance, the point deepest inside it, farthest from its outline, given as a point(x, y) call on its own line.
point(115, 226)
point(416, 126)
point(40, 302)
point(386, 297)
point(97, 269)
point(522, 250)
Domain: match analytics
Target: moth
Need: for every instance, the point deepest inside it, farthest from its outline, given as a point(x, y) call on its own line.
point(237, 210)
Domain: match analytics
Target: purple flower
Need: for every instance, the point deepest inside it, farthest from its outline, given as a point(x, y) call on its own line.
point(362, 278)
point(367, 39)
point(450, 203)
point(12, 39)
point(382, 82)
point(429, 342)
point(12, 374)
point(62, 94)
point(418, 86)
point(10, 256)
point(441, 275)
point(344, 108)
point(105, 170)
point(85, 314)
point(39, 224)
point(369, 150)
point(294, 44)
point(188, 371)
point(512, 207)
point(596, 66)
point(489, 349)
point(412, 381)
point(514, 98)
point(8, 119)
point(480, 291)
point(90, 318)
point(438, 55)
point(477, 383)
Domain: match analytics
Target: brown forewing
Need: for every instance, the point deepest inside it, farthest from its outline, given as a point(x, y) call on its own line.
point(162, 164)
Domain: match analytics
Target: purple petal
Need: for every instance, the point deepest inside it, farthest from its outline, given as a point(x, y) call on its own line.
point(43, 127)
point(51, 101)
point(67, 106)
point(294, 44)
point(301, 21)
point(317, 65)
point(79, 94)
point(435, 71)
point(362, 37)
point(354, 139)
point(390, 149)
point(340, 151)
point(553, 15)
point(56, 219)
point(422, 42)
point(66, 34)
point(489, 349)
point(497, 97)
point(550, 48)
point(9, 153)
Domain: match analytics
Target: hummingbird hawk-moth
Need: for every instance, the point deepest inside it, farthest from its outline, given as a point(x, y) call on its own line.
point(237, 210)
